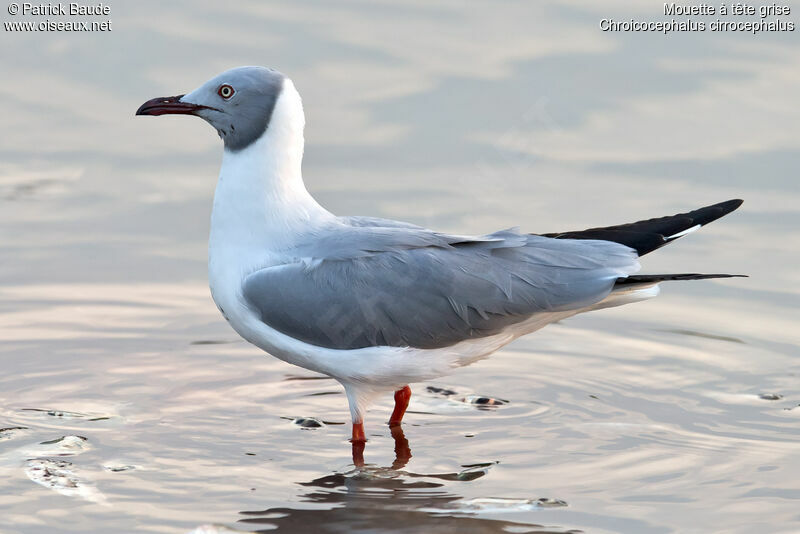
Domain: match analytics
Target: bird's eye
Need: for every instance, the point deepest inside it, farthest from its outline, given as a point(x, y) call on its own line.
point(225, 91)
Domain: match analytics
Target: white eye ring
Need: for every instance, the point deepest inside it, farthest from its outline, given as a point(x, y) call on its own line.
point(225, 91)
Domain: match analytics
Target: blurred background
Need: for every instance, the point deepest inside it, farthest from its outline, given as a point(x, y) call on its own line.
point(127, 404)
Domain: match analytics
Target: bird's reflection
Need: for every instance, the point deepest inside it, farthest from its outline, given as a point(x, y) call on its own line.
point(402, 451)
point(383, 499)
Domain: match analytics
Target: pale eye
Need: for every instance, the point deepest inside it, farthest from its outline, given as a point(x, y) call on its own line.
point(225, 91)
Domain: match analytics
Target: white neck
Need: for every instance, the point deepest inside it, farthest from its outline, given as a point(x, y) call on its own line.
point(261, 203)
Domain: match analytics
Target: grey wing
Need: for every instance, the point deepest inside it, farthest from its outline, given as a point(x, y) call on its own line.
point(435, 295)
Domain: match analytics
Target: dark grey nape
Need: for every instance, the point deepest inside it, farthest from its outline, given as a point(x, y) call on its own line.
point(246, 116)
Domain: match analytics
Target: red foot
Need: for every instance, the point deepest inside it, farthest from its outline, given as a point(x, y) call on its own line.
point(358, 453)
point(401, 398)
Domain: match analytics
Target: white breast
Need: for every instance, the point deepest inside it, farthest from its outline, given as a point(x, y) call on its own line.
point(261, 207)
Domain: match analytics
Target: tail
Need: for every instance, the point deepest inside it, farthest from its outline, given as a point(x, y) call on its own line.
point(647, 236)
point(638, 287)
point(649, 279)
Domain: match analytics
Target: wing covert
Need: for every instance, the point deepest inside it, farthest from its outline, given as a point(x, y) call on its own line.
point(433, 295)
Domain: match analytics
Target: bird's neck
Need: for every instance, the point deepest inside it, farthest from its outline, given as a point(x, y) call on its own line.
point(261, 201)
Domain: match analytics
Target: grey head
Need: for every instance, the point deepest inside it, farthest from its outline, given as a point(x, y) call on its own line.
point(238, 103)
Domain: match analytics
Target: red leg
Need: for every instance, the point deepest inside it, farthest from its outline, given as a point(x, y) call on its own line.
point(359, 440)
point(401, 398)
point(358, 433)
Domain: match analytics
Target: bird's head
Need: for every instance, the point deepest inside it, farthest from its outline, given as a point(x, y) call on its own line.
point(238, 103)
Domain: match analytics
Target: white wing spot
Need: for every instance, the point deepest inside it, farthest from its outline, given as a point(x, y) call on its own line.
point(687, 231)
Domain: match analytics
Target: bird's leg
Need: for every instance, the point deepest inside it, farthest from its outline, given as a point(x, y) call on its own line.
point(359, 441)
point(358, 433)
point(401, 398)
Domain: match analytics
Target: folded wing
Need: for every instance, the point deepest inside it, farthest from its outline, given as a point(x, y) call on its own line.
point(362, 286)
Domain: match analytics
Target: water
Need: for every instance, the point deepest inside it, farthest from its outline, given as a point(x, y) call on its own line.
point(128, 405)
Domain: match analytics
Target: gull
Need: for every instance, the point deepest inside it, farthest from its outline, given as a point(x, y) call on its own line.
point(379, 304)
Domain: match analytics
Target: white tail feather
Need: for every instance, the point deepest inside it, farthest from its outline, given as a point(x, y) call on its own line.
point(627, 295)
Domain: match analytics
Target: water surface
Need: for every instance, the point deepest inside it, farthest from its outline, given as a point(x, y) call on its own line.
point(128, 405)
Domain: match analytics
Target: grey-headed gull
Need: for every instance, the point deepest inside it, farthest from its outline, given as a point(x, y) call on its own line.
point(374, 303)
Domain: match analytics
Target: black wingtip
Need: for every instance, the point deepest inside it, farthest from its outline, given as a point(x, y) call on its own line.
point(651, 234)
point(711, 213)
point(731, 204)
